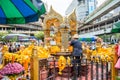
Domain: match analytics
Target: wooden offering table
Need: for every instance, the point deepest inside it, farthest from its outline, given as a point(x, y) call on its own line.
point(65, 54)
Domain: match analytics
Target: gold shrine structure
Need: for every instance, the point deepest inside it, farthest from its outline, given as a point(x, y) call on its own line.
point(59, 28)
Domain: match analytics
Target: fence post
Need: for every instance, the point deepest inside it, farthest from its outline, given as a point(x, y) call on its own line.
point(54, 59)
point(34, 65)
point(102, 76)
point(107, 70)
point(114, 71)
point(86, 63)
point(92, 70)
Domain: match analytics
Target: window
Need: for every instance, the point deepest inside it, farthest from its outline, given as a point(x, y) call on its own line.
point(91, 0)
point(91, 8)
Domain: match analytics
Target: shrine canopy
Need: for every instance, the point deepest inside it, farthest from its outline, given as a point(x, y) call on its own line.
point(88, 38)
point(19, 12)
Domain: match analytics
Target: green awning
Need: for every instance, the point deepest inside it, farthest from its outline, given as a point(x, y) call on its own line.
point(116, 27)
point(87, 39)
point(20, 11)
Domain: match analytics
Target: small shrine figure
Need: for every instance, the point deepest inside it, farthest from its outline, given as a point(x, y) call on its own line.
point(58, 38)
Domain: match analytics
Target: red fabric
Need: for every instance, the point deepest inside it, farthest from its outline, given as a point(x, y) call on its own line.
point(116, 48)
point(117, 65)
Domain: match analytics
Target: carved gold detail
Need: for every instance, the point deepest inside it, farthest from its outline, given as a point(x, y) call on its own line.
point(73, 23)
point(63, 26)
point(54, 19)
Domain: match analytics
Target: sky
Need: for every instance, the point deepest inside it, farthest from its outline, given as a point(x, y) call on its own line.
point(61, 5)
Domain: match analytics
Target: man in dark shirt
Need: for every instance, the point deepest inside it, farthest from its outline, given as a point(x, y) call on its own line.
point(77, 53)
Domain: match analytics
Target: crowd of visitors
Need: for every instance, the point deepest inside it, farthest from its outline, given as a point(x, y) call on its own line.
point(78, 48)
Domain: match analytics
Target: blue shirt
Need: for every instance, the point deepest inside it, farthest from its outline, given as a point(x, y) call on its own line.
point(77, 47)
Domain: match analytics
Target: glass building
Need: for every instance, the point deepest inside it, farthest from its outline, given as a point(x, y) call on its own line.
point(83, 8)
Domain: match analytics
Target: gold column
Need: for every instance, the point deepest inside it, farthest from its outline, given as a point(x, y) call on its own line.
point(114, 70)
point(34, 66)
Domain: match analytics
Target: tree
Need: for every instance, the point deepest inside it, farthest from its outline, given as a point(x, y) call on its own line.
point(9, 31)
point(3, 39)
point(39, 35)
point(14, 39)
point(2, 34)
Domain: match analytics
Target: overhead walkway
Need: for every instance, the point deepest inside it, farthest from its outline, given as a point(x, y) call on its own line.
point(106, 7)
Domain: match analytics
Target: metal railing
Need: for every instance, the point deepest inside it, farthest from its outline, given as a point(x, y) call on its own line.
point(88, 70)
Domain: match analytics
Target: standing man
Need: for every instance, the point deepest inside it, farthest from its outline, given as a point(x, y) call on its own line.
point(77, 53)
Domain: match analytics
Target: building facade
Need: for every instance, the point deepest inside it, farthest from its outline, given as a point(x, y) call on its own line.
point(102, 22)
point(83, 8)
point(91, 5)
point(29, 28)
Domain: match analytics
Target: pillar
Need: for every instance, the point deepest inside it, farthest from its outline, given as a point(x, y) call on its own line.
point(114, 70)
point(34, 66)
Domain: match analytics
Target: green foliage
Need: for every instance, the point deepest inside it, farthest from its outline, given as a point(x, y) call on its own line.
point(14, 39)
point(2, 34)
point(3, 39)
point(39, 35)
point(9, 31)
